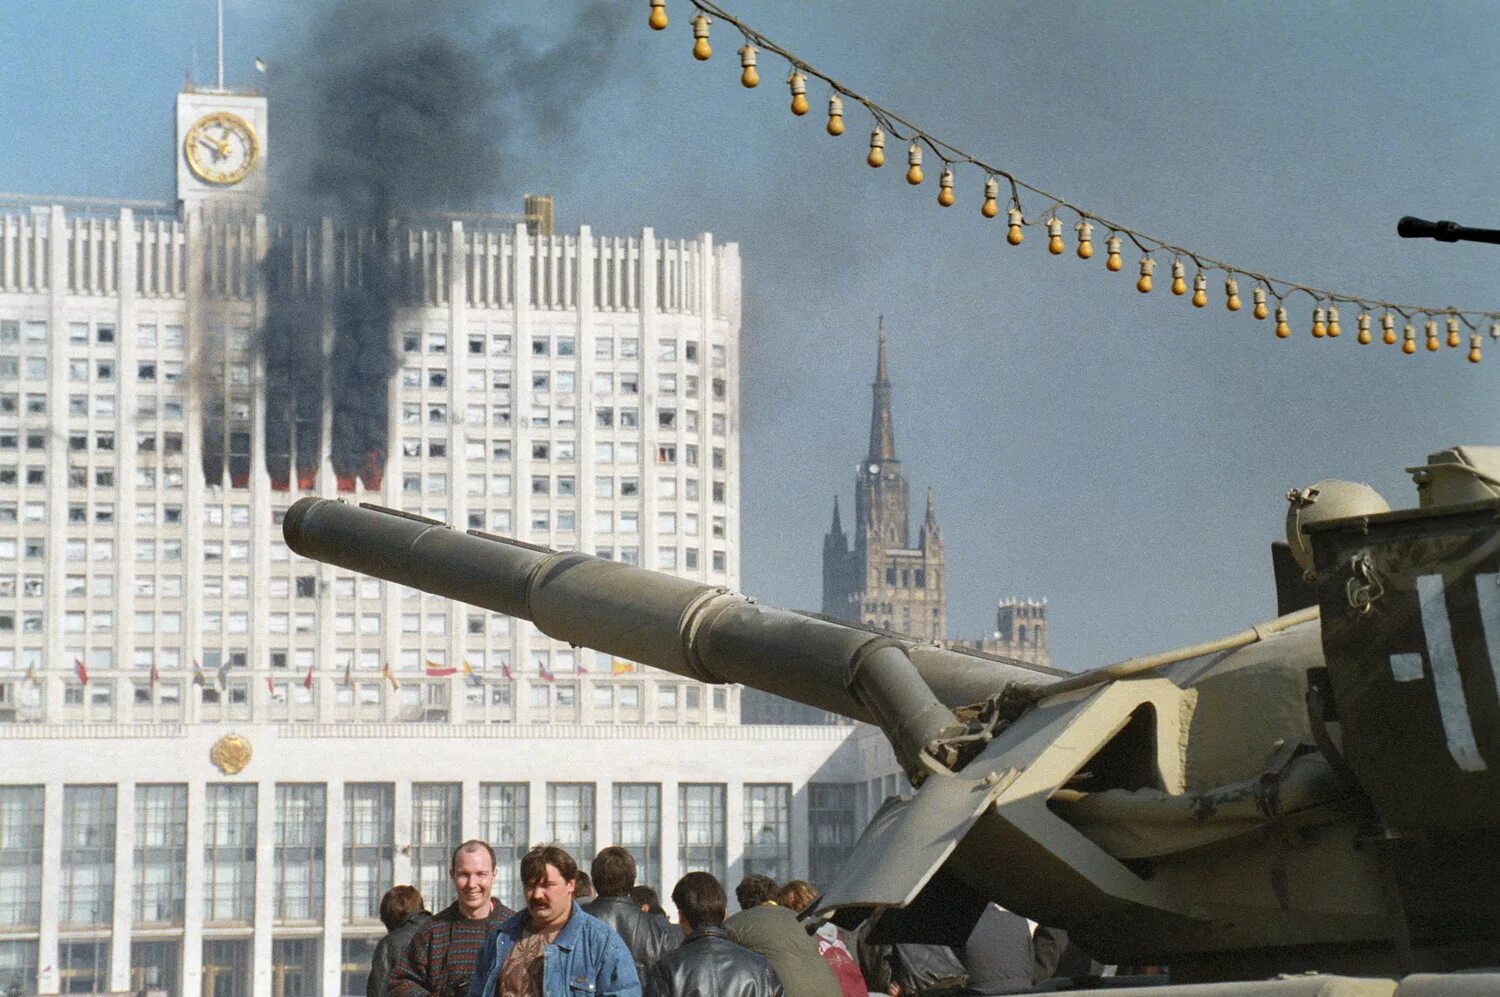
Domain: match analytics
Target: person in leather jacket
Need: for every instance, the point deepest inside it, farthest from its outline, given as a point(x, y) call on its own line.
point(613, 872)
point(708, 963)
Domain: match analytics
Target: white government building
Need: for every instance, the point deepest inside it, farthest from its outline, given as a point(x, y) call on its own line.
point(215, 756)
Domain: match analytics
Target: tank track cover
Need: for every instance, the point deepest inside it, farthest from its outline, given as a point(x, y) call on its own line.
point(1318, 792)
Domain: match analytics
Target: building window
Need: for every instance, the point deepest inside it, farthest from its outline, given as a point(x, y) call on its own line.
point(160, 853)
point(83, 967)
point(17, 966)
point(300, 819)
point(700, 829)
point(88, 856)
point(153, 965)
point(570, 817)
point(21, 858)
point(229, 855)
point(226, 967)
point(354, 964)
point(768, 830)
point(638, 826)
point(503, 822)
point(296, 967)
point(434, 834)
point(369, 846)
point(830, 819)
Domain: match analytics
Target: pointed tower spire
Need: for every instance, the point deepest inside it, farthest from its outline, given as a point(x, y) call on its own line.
point(882, 429)
point(931, 515)
point(838, 527)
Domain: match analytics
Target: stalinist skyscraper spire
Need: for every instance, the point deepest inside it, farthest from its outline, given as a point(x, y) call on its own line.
point(883, 580)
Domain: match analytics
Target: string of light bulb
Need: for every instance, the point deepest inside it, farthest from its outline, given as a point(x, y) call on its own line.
point(1325, 310)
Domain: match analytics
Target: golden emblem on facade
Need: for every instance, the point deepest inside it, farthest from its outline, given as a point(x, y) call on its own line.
point(231, 753)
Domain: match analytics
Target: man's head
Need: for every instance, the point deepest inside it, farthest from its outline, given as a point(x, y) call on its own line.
point(646, 898)
point(399, 903)
point(796, 895)
point(700, 901)
point(614, 872)
point(549, 876)
point(755, 890)
point(584, 886)
point(472, 870)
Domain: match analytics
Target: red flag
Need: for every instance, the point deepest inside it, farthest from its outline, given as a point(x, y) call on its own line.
point(437, 671)
point(578, 668)
point(81, 672)
point(545, 672)
point(505, 670)
point(307, 683)
point(155, 674)
point(197, 673)
point(271, 688)
point(349, 676)
point(390, 677)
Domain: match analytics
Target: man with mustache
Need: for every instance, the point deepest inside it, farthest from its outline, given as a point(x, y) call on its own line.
point(439, 959)
point(553, 947)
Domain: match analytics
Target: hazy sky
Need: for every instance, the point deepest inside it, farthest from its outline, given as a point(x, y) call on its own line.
point(1125, 456)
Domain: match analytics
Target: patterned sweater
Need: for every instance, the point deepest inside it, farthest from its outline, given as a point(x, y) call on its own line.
point(440, 957)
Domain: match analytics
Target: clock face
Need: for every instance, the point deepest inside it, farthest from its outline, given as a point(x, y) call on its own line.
point(874, 468)
point(221, 148)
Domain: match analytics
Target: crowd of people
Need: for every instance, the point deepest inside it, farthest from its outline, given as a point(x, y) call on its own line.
point(599, 932)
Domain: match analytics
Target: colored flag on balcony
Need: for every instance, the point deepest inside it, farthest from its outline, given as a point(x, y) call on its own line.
point(197, 673)
point(545, 673)
point(307, 682)
point(31, 674)
point(390, 677)
point(470, 677)
point(271, 688)
point(437, 671)
point(349, 675)
point(81, 672)
point(155, 675)
point(505, 670)
point(619, 666)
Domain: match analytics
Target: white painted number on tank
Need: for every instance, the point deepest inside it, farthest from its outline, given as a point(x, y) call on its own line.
point(1489, 619)
point(1406, 667)
point(1452, 706)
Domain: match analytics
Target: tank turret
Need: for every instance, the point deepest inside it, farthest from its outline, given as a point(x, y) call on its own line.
point(1318, 791)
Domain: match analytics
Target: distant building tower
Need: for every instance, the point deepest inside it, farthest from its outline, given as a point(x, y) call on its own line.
point(882, 580)
point(1020, 631)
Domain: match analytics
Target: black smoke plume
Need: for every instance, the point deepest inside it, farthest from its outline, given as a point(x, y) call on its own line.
point(392, 112)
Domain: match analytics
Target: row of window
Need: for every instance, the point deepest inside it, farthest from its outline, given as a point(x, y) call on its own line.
point(86, 895)
point(605, 348)
point(148, 406)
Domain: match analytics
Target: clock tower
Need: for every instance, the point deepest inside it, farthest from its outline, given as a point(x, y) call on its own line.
point(221, 148)
point(883, 579)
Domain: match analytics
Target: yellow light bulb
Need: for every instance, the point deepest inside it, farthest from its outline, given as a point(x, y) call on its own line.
point(1409, 339)
point(1333, 323)
point(1200, 290)
point(1495, 330)
point(914, 164)
point(1388, 329)
point(876, 158)
point(1112, 261)
point(1144, 284)
point(1260, 310)
point(1474, 355)
point(701, 48)
point(1054, 237)
point(798, 83)
point(658, 19)
point(835, 115)
point(1015, 236)
point(1282, 329)
point(945, 188)
point(1231, 294)
point(1432, 341)
point(1179, 284)
point(1085, 240)
point(991, 191)
point(1319, 329)
point(1453, 339)
point(1364, 329)
point(749, 78)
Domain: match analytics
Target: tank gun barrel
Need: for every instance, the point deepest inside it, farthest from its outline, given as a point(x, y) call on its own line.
point(699, 631)
point(1444, 231)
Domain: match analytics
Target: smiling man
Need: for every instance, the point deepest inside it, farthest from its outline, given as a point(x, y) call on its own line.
point(553, 947)
point(439, 960)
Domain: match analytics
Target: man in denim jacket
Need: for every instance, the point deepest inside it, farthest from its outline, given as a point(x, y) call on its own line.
point(553, 947)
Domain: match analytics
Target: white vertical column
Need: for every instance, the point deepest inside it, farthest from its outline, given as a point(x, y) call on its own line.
point(401, 870)
point(192, 921)
point(125, 460)
point(52, 822)
point(521, 422)
point(537, 812)
point(333, 887)
point(56, 667)
point(802, 830)
point(458, 498)
point(734, 832)
point(671, 867)
point(192, 472)
point(265, 883)
point(119, 949)
point(587, 541)
point(647, 433)
point(604, 819)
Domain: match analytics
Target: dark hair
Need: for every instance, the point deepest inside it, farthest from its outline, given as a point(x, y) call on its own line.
point(472, 845)
point(614, 872)
point(585, 885)
point(754, 890)
point(700, 900)
point(645, 896)
point(399, 903)
point(535, 862)
point(796, 895)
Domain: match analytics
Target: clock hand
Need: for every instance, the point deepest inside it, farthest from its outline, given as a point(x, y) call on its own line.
point(213, 147)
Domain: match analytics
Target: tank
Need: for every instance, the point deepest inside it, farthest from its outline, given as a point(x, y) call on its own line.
point(1317, 792)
